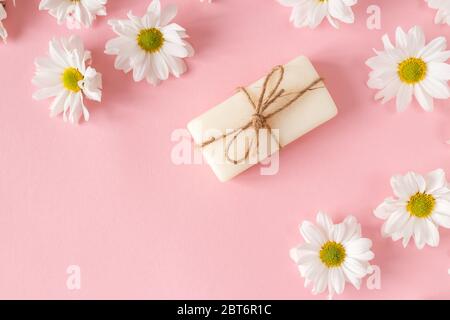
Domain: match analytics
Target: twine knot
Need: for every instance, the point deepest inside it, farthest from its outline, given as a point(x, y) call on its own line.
point(259, 119)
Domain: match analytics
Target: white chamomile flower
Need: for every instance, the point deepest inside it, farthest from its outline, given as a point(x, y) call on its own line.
point(333, 254)
point(310, 13)
point(421, 206)
point(443, 8)
point(151, 46)
point(410, 68)
point(75, 12)
point(66, 76)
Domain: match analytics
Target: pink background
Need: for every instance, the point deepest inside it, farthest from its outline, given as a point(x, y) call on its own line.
point(105, 195)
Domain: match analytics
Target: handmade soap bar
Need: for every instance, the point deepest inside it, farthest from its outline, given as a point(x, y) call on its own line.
point(279, 108)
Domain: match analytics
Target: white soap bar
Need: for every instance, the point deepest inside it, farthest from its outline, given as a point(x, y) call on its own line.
point(312, 109)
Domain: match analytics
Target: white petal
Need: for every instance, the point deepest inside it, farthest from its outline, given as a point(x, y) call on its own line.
point(408, 231)
point(386, 208)
point(57, 53)
point(167, 14)
point(416, 40)
point(396, 221)
point(441, 219)
point(151, 74)
point(400, 37)
point(389, 91)
point(162, 70)
point(300, 256)
point(358, 246)
point(303, 250)
point(436, 88)
point(325, 222)
point(353, 229)
point(433, 233)
point(338, 232)
point(154, 7)
point(321, 281)
point(299, 15)
point(175, 50)
point(419, 179)
point(139, 67)
point(351, 277)
point(387, 43)
point(405, 186)
point(57, 105)
point(290, 3)
point(46, 79)
point(314, 268)
point(381, 60)
point(48, 92)
point(355, 267)
point(3, 13)
point(439, 70)
point(150, 20)
point(47, 64)
point(435, 180)
point(340, 11)
point(440, 56)
point(176, 65)
point(424, 99)
point(337, 279)
point(433, 47)
point(92, 84)
point(312, 234)
point(316, 15)
point(364, 256)
point(420, 233)
point(443, 206)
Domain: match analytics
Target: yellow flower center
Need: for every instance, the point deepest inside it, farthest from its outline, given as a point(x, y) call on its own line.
point(150, 40)
point(421, 205)
point(412, 70)
point(70, 78)
point(332, 254)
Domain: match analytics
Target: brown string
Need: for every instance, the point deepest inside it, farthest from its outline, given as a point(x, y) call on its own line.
point(258, 120)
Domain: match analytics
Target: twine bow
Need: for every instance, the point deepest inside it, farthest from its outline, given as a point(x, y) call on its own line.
point(259, 119)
